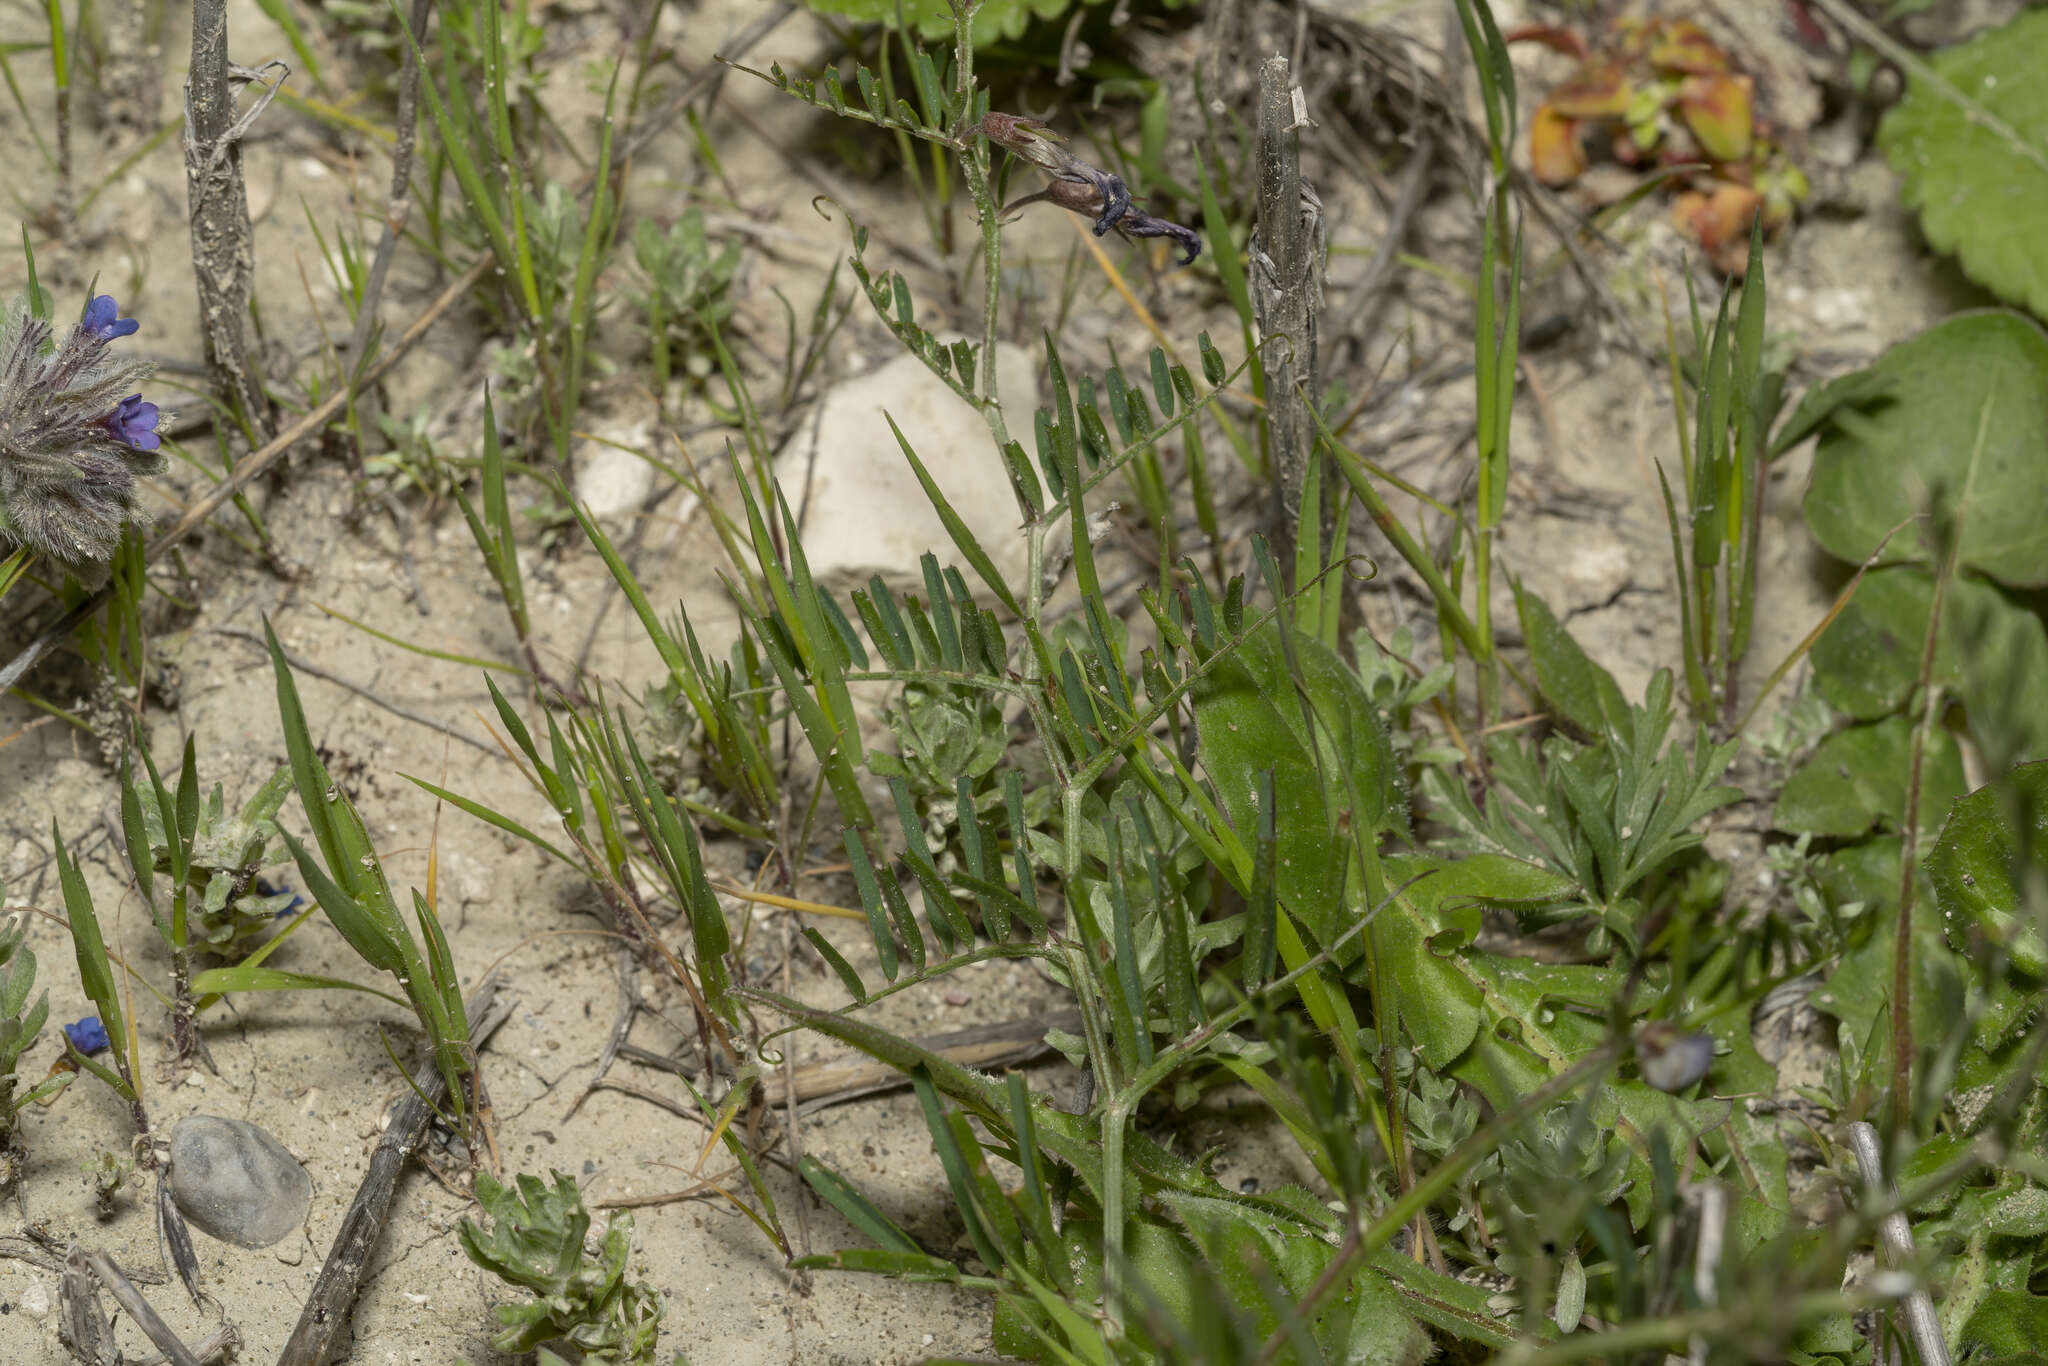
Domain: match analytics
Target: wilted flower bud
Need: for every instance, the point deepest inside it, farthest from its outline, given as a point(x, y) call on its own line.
point(74, 435)
point(1079, 187)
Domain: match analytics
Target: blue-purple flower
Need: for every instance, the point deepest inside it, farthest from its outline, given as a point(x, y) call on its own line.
point(88, 1036)
point(75, 435)
point(134, 423)
point(103, 319)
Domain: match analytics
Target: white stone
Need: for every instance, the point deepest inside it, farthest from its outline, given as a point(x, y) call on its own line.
point(611, 482)
point(867, 514)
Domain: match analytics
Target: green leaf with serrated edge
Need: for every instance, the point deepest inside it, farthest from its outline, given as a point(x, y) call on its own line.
point(1975, 864)
point(1583, 692)
point(1856, 778)
point(1965, 416)
point(1971, 148)
point(1249, 717)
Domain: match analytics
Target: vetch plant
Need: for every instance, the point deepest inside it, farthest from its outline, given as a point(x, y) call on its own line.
point(75, 434)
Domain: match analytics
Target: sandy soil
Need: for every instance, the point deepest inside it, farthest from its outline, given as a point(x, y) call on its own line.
point(312, 1069)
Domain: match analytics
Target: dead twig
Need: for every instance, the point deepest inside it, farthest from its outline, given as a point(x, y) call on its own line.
point(104, 1270)
point(341, 1275)
point(1286, 271)
point(217, 200)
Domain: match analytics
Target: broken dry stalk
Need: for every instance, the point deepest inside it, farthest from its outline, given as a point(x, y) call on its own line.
point(1286, 296)
point(217, 199)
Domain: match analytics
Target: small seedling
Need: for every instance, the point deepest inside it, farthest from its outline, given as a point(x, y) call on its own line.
point(212, 860)
point(347, 880)
point(535, 1242)
point(107, 1174)
point(686, 289)
point(20, 1024)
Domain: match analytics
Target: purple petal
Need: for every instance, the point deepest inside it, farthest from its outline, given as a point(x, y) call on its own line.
point(134, 424)
point(88, 1035)
point(102, 319)
point(1138, 224)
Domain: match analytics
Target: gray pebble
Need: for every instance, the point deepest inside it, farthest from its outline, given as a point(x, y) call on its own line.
point(235, 1182)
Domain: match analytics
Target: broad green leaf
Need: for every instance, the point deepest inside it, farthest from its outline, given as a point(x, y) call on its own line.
point(1965, 414)
point(1858, 991)
point(1857, 778)
point(1993, 652)
point(1975, 862)
point(1438, 1001)
point(1365, 1324)
point(1580, 690)
point(1868, 660)
point(1249, 715)
point(1972, 151)
point(2001, 651)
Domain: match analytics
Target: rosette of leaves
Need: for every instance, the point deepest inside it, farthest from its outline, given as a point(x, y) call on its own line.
point(1551, 1184)
point(670, 737)
point(1661, 92)
point(686, 286)
point(536, 1242)
point(226, 910)
point(20, 1023)
point(946, 736)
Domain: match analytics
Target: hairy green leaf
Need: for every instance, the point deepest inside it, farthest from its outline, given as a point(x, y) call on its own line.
point(1962, 423)
point(1971, 146)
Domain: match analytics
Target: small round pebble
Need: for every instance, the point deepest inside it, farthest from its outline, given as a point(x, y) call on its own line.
point(235, 1182)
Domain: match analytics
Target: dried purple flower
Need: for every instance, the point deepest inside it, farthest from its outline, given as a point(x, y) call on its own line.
point(1079, 187)
point(74, 435)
